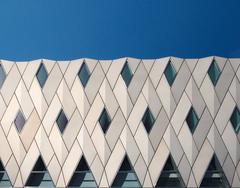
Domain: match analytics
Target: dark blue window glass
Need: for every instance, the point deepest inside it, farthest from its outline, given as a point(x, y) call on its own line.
point(214, 176)
point(39, 176)
point(126, 74)
point(19, 121)
point(170, 177)
point(170, 73)
point(84, 74)
point(214, 72)
point(62, 121)
point(4, 179)
point(148, 120)
point(82, 176)
point(126, 176)
point(235, 120)
point(42, 75)
point(192, 119)
point(104, 120)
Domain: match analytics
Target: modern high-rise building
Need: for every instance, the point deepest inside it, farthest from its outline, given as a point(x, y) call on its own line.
point(165, 122)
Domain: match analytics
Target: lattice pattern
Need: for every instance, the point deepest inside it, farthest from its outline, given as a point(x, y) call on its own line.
point(125, 104)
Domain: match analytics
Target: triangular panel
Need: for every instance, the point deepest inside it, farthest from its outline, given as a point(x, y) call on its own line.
point(214, 176)
point(4, 179)
point(82, 176)
point(39, 176)
point(126, 176)
point(170, 176)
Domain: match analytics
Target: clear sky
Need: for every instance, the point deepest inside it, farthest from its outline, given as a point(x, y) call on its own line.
point(108, 29)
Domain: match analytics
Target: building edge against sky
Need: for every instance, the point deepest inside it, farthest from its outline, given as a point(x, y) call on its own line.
point(123, 122)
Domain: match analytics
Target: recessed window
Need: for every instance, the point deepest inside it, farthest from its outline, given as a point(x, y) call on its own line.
point(126, 176)
point(104, 120)
point(4, 178)
point(148, 120)
point(214, 175)
point(62, 121)
point(214, 72)
point(170, 73)
point(2, 76)
point(170, 177)
point(192, 120)
point(84, 74)
point(82, 176)
point(42, 75)
point(19, 121)
point(39, 176)
point(126, 74)
point(235, 120)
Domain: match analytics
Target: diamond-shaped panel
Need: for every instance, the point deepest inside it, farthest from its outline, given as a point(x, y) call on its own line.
point(62, 121)
point(104, 120)
point(126, 74)
point(148, 120)
point(192, 119)
point(235, 119)
point(19, 121)
point(42, 75)
point(214, 72)
point(170, 73)
point(84, 74)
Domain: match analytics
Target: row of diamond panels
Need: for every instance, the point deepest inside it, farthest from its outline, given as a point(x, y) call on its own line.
point(105, 89)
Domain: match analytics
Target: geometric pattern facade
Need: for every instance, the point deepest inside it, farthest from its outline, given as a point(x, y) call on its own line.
point(126, 136)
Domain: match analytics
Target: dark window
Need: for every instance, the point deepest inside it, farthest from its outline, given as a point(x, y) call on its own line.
point(235, 120)
point(170, 177)
point(42, 75)
point(82, 176)
point(126, 74)
point(104, 120)
point(4, 179)
point(39, 176)
point(148, 120)
point(84, 74)
point(170, 73)
point(214, 72)
point(126, 176)
point(19, 121)
point(192, 120)
point(62, 121)
point(214, 176)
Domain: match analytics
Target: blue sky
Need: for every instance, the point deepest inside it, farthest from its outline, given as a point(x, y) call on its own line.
point(108, 29)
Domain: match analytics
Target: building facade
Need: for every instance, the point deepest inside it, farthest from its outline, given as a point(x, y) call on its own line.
point(122, 123)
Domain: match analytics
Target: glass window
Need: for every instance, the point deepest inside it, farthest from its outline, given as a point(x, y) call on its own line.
point(170, 176)
point(214, 72)
point(82, 176)
point(39, 176)
point(148, 120)
point(42, 75)
point(214, 176)
point(235, 120)
point(19, 121)
point(62, 121)
point(104, 120)
point(4, 179)
point(192, 119)
point(84, 74)
point(126, 176)
point(170, 73)
point(126, 74)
